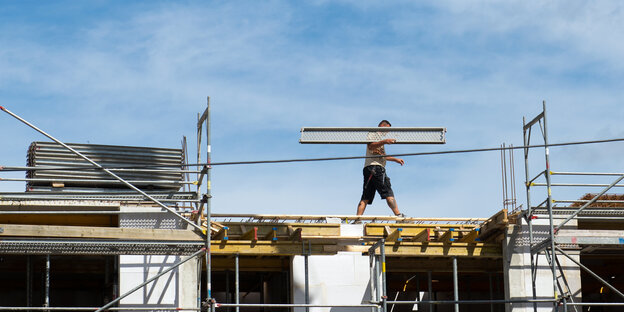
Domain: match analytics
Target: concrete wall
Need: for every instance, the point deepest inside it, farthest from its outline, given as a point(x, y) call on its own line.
point(517, 268)
point(337, 279)
point(176, 289)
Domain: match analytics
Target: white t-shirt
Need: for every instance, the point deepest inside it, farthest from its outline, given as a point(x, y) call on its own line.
point(379, 161)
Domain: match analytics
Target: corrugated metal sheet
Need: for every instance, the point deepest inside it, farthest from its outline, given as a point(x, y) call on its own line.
point(47, 154)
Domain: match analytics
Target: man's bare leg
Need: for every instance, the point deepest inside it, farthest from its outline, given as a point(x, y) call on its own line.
point(393, 205)
point(361, 207)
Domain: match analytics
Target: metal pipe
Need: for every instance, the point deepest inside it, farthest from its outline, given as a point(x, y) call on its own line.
point(307, 277)
point(104, 212)
point(99, 181)
point(586, 200)
point(455, 284)
point(104, 169)
point(29, 283)
point(526, 139)
point(553, 265)
point(294, 305)
point(208, 202)
point(236, 281)
point(590, 272)
point(587, 173)
point(589, 202)
point(85, 168)
point(155, 277)
point(372, 280)
point(384, 290)
point(503, 173)
point(448, 302)
point(120, 198)
point(94, 308)
point(596, 303)
point(581, 184)
point(377, 279)
point(491, 291)
point(536, 177)
point(430, 287)
point(46, 302)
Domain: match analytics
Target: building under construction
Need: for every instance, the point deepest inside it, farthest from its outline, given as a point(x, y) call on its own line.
point(123, 228)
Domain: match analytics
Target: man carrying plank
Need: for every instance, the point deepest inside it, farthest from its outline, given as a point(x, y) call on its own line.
point(375, 178)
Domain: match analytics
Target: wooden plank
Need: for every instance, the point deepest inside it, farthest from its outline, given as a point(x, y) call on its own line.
point(221, 234)
point(447, 236)
point(295, 234)
point(423, 236)
point(393, 236)
point(250, 235)
point(377, 229)
point(470, 237)
point(440, 249)
point(494, 224)
point(272, 235)
point(49, 231)
point(272, 248)
point(264, 228)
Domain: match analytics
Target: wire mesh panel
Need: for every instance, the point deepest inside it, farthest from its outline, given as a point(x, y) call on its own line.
point(346, 135)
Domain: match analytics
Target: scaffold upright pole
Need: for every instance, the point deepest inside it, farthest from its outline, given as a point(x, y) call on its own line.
point(553, 264)
point(384, 297)
point(47, 282)
point(208, 206)
point(237, 281)
point(455, 284)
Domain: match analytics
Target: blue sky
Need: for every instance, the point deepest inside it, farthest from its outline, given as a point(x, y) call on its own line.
point(137, 73)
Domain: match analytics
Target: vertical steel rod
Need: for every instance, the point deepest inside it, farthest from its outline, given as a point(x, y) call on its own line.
point(529, 213)
point(307, 281)
point(29, 281)
point(237, 281)
point(103, 169)
point(228, 293)
point(208, 208)
point(373, 280)
point(491, 292)
point(455, 284)
point(47, 282)
point(430, 287)
point(377, 279)
point(384, 290)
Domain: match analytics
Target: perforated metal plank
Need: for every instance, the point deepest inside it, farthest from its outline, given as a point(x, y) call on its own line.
point(352, 135)
point(96, 247)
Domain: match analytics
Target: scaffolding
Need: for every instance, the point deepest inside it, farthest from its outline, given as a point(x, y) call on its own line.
point(557, 238)
point(302, 235)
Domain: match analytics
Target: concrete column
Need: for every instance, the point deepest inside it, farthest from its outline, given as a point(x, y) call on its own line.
point(174, 290)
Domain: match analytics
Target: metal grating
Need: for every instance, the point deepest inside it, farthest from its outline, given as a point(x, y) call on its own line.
point(96, 247)
point(347, 135)
point(129, 196)
point(74, 171)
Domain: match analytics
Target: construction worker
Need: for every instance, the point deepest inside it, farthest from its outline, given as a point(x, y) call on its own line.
point(375, 178)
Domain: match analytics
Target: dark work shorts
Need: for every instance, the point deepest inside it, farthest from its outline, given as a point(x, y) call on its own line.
point(375, 179)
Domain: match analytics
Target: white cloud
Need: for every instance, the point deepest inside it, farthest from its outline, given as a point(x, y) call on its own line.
point(270, 68)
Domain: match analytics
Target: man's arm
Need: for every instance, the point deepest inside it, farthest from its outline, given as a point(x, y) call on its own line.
point(396, 160)
point(375, 145)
